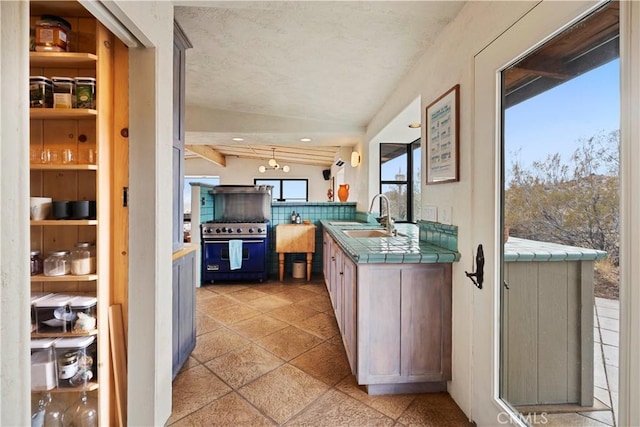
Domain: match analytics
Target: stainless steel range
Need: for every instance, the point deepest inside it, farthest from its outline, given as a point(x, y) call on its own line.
point(235, 244)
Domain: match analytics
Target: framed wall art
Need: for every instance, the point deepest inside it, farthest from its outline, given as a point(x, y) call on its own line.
point(442, 129)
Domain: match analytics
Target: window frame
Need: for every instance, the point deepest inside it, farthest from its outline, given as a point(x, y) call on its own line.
point(409, 179)
point(282, 199)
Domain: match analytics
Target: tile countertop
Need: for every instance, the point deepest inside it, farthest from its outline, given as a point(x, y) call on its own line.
point(519, 250)
point(404, 248)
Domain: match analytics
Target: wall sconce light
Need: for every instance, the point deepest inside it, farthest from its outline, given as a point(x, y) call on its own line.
point(273, 164)
point(355, 159)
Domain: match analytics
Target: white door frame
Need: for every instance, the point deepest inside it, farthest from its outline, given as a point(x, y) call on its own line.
point(542, 23)
point(629, 370)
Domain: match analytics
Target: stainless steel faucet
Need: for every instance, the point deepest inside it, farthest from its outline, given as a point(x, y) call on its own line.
point(386, 221)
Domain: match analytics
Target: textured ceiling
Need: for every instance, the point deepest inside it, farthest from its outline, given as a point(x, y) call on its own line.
point(329, 64)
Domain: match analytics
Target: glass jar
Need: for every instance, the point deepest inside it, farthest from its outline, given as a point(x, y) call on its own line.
point(57, 264)
point(36, 263)
point(83, 259)
point(40, 92)
point(46, 411)
point(86, 92)
point(51, 34)
point(64, 92)
point(84, 412)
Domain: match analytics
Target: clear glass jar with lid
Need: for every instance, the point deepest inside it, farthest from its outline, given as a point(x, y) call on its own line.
point(36, 263)
point(58, 263)
point(83, 259)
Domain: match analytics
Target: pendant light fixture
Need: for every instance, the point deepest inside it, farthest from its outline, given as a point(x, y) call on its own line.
point(273, 164)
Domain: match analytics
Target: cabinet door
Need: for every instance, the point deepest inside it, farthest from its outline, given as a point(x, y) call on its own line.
point(175, 316)
point(326, 258)
point(349, 311)
point(183, 315)
point(180, 44)
point(337, 283)
point(187, 307)
point(426, 322)
point(378, 324)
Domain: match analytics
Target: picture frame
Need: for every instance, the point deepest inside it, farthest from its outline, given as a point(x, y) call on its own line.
point(442, 127)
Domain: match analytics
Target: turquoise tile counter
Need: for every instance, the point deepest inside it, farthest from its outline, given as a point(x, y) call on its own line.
point(409, 246)
point(522, 250)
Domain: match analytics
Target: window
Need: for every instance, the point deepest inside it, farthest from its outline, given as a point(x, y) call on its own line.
point(400, 179)
point(287, 190)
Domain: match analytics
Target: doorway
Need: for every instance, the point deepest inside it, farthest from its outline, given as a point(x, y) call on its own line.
point(560, 209)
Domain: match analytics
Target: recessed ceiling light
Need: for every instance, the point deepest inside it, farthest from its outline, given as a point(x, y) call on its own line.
point(237, 139)
point(414, 125)
point(305, 139)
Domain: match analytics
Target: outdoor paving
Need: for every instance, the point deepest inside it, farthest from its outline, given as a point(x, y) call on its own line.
point(605, 360)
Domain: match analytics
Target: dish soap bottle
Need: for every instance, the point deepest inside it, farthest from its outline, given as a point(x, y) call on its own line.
point(293, 217)
point(298, 220)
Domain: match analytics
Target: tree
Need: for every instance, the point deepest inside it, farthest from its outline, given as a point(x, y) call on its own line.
point(574, 203)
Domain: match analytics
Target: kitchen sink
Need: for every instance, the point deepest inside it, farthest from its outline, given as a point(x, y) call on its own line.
point(367, 233)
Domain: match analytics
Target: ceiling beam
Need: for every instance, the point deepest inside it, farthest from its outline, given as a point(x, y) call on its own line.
point(207, 153)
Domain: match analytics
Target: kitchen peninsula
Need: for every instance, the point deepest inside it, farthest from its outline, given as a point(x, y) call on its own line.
point(392, 299)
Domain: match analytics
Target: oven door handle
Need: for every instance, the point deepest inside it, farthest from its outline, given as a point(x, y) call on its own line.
point(226, 242)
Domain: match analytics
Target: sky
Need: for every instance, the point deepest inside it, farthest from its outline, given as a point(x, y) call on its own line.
point(556, 120)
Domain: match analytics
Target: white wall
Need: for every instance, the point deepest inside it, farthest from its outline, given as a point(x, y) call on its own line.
point(447, 63)
point(244, 171)
point(150, 221)
point(15, 393)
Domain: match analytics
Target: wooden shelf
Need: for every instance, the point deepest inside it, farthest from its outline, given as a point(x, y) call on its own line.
point(65, 278)
point(72, 167)
point(91, 386)
point(62, 59)
point(62, 113)
point(63, 334)
point(66, 222)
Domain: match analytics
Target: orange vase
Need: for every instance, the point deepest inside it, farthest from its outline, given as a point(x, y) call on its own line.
point(343, 192)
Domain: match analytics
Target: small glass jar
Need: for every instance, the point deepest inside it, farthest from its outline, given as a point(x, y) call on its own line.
point(57, 264)
point(83, 259)
point(36, 263)
point(51, 34)
point(64, 92)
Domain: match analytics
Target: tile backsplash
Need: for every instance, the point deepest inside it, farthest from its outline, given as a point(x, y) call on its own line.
point(439, 234)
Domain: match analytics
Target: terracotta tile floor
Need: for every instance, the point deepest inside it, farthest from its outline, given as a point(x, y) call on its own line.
point(271, 354)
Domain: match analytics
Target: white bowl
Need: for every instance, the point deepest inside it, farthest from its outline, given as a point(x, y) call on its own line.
point(40, 208)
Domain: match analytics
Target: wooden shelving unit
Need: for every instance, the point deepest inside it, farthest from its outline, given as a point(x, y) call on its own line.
point(67, 167)
point(65, 222)
point(65, 278)
point(62, 113)
point(79, 129)
point(63, 334)
point(62, 59)
point(91, 386)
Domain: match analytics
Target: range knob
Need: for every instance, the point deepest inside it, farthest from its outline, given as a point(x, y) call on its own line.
point(259, 230)
point(218, 230)
point(224, 229)
point(251, 230)
point(239, 230)
point(230, 230)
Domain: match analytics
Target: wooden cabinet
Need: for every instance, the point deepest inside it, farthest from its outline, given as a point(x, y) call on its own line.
point(180, 45)
point(349, 306)
point(184, 313)
point(547, 331)
point(88, 133)
point(327, 243)
point(395, 321)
